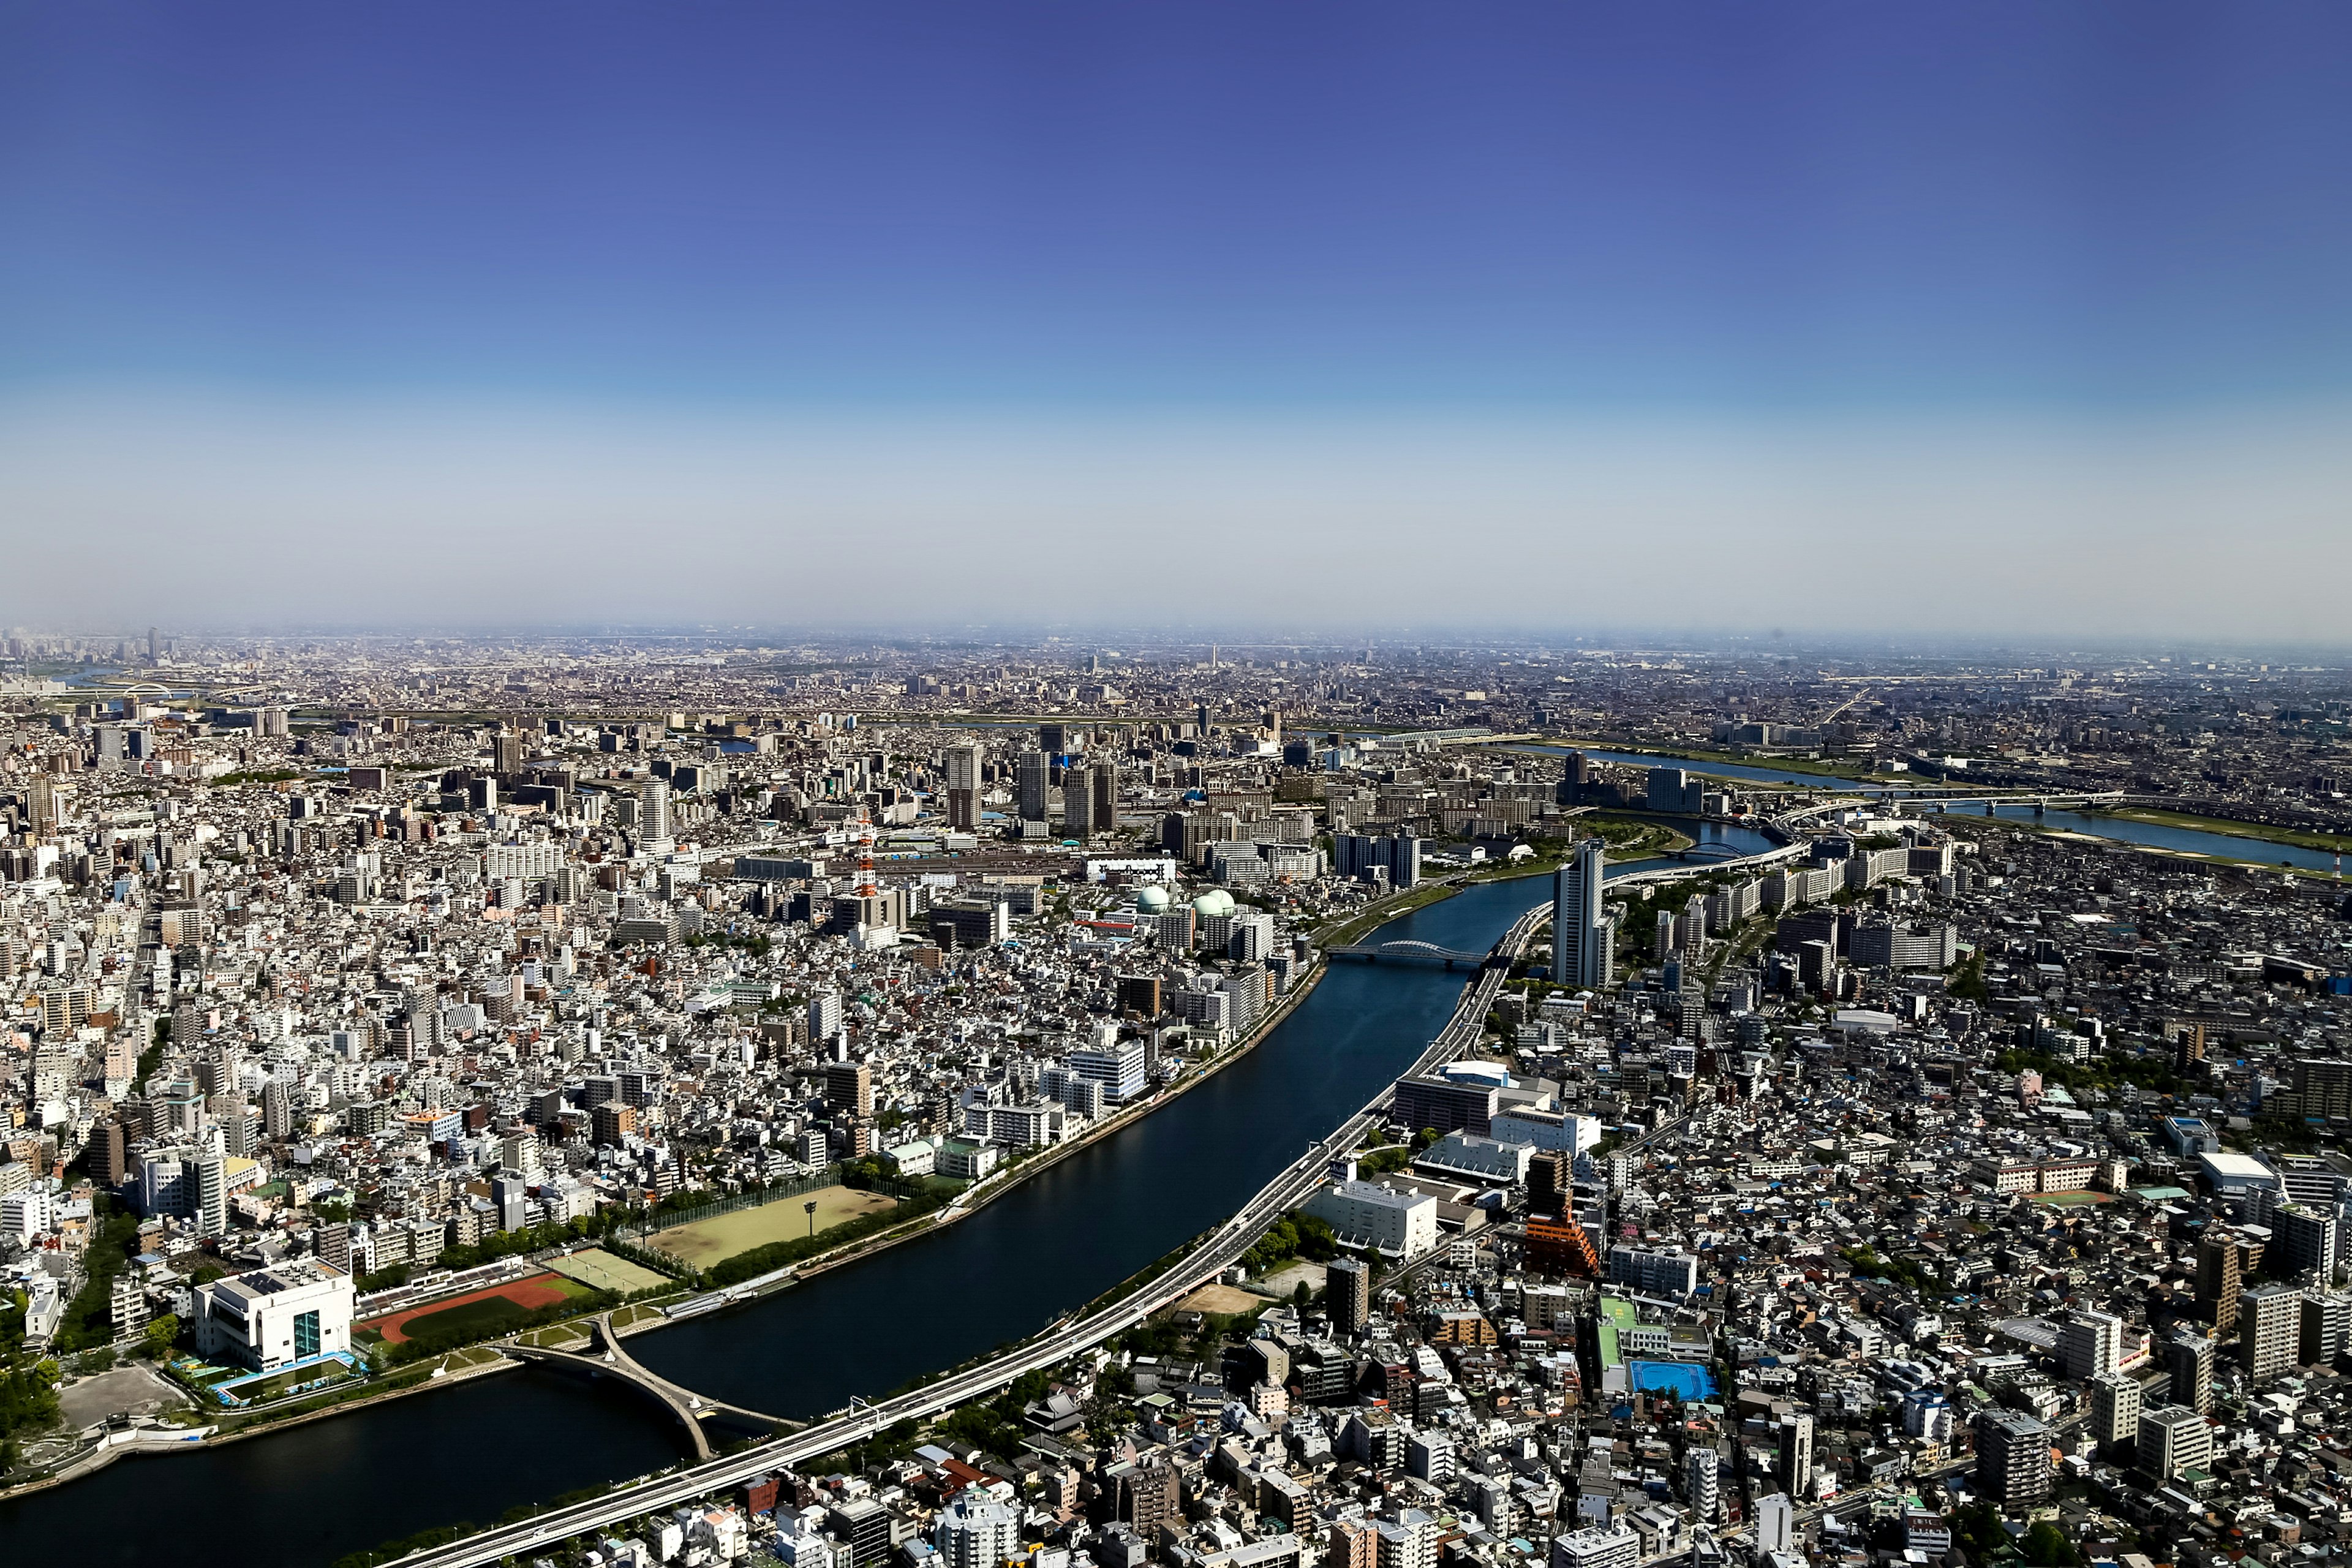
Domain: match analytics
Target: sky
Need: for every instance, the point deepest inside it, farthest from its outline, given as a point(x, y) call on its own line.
point(2013, 318)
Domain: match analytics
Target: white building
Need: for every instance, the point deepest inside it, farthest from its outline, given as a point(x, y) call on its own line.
point(977, 1532)
point(1616, 1546)
point(276, 1316)
point(1117, 1065)
point(1400, 1224)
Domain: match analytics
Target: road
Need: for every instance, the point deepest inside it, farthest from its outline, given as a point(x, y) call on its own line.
point(1220, 1251)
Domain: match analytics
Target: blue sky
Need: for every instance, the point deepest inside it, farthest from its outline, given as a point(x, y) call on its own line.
point(1485, 234)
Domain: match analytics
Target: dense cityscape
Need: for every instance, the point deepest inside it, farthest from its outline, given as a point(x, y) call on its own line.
point(1819, 1106)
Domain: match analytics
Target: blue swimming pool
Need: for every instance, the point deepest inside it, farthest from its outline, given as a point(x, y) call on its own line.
point(1677, 1378)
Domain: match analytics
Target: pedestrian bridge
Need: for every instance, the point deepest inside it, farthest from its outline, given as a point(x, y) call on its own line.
point(690, 1409)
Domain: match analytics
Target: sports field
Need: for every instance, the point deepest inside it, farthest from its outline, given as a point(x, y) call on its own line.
point(479, 1311)
point(706, 1241)
point(599, 1270)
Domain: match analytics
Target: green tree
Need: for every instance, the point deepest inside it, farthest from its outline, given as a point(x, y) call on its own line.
point(2047, 1546)
point(162, 1333)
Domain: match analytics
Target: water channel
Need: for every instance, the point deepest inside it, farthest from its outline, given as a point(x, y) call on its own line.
point(308, 1494)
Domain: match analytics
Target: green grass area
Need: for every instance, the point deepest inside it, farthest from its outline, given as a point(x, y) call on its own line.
point(2300, 838)
point(490, 1315)
point(1356, 927)
point(1700, 755)
point(1635, 839)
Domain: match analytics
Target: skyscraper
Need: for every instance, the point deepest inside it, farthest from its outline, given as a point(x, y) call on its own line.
point(1034, 777)
point(963, 787)
point(1581, 926)
point(1077, 805)
point(1105, 801)
point(653, 815)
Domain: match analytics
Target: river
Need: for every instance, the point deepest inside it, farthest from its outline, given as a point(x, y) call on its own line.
point(307, 1495)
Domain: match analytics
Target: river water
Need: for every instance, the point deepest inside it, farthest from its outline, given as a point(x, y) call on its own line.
point(307, 1495)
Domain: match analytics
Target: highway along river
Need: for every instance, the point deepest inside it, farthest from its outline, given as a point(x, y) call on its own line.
point(307, 1495)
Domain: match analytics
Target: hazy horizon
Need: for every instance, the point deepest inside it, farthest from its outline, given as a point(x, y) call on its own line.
point(1985, 323)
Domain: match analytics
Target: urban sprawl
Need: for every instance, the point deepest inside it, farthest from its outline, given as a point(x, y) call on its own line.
point(1879, 1149)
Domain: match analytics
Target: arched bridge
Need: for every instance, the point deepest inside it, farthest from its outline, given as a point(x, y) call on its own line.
point(689, 1407)
point(1409, 952)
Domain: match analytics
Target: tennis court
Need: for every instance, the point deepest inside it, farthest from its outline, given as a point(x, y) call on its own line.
point(599, 1270)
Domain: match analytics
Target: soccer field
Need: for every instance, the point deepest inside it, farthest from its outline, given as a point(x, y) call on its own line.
point(706, 1241)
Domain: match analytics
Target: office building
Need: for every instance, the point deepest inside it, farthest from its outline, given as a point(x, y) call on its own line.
point(1399, 1224)
point(962, 773)
point(2089, 1344)
point(1104, 789)
point(2188, 1364)
point(2173, 1438)
point(1670, 1272)
point(1582, 933)
point(275, 1317)
point(849, 1089)
point(1776, 1525)
point(2114, 1407)
point(2327, 1328)
point(2305, 1241)
point(1793, 1459)
point(1597, 1546)
point(1117, 1064)
point(1031, 778)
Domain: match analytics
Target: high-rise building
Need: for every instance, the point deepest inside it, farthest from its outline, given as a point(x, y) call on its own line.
point(1348, 1294)
point(1775, 1524)
point(1106, 797)
point(824, 1017)
point(654, 829)
point(1031, 780)
point(2270, 1329)
point(2189, 1362)
point(1581, 931)
point(2217, 1279)
point(2089, 1344)
point(208, 1190)
point(2114, 1407)
point(1792, 1463)
point(963, 787)
point(2173, 1438)
point(976, 1530)
point(1350, 1544)
point(2327, 1328)
point(2305, 1240)
point(277, 1111)
point(1701, 1481)
point(849, 1086)
point(2012, 1459)
point(1077, 805)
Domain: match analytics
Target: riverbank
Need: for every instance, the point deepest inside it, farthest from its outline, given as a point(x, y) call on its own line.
point(467, 1367)
point(2185, 856)
point(2229, 827)
point(1028, 1170)
point(1699, 757)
